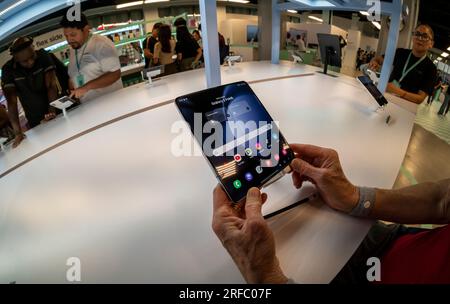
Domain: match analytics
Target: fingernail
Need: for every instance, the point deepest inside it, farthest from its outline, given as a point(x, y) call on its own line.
point(254, 192)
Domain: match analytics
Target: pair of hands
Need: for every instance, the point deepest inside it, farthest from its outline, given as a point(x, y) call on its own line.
point(246, 235)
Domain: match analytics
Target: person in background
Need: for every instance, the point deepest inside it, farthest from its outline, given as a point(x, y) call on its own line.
point(149, 45)
point(188, 50)
point(29, 76)
point(196, 35)
point(407, 255)
point(300, 43)
point(128, 55)
point(94, 67)
point(436, 91)
point(6, 129)
point(180, 22)
point(164, 52)
point(414, 74)
point(224, 49)
point(445, 105)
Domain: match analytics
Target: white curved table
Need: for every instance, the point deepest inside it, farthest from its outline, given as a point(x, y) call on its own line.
point(132, 212)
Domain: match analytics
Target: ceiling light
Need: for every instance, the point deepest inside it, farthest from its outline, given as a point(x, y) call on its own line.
point(315, 18)
point(377, 25)
point(154, 1)
point(292, 11)
point(439, 59)
point(445, 55)
point(129, 4)
point(12, 7)
point(448, 48)
point(316, 2)
point(364, 13)
point(239, 1)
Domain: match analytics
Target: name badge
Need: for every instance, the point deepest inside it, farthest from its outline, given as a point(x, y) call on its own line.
point(80, 80)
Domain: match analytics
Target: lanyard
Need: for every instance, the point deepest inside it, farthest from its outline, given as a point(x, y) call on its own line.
point(406, 71)
point(82, 54)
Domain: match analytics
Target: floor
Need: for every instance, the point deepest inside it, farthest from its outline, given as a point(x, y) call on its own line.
point(428, 155)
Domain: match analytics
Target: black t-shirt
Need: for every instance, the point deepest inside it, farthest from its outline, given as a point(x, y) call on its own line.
point(149, 43)
point(421, 78)
point(30, 85)
point(187, 48)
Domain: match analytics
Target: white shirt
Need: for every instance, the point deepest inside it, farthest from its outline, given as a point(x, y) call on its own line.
point(96, 57)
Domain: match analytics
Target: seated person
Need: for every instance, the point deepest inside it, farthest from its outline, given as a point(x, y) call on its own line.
point(414, 74)
point(407, 256)
point(30, 76)
point(94, 66)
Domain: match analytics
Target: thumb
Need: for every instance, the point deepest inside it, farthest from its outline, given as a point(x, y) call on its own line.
point(305, 169)
point(253, 203)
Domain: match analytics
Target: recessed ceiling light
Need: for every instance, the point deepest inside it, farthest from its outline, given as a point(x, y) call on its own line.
point(315, 18)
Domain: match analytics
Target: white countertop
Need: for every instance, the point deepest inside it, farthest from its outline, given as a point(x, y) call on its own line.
point(132, 212)
point(135, 98)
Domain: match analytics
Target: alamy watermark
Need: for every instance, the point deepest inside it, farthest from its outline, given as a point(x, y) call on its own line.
point(230, 139)
point(374, 10)
point(74, 12)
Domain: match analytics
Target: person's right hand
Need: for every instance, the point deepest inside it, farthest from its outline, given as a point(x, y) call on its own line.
point(322, 167)
point(18, 140)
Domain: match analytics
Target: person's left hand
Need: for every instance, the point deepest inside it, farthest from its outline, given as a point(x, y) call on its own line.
point(247, 237)
point(79, 93)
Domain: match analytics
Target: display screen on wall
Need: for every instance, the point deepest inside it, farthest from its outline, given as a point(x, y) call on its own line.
point(252, 33)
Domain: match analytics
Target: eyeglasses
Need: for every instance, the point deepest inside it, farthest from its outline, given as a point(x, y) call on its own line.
point(421, 36)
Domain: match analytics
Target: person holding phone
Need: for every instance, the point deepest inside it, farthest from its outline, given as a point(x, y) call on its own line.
point(407, 255)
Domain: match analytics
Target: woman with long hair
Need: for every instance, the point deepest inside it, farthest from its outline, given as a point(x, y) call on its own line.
point(188, 50)
point(164, 52)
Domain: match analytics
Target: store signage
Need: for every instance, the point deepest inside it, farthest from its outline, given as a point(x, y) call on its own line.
point(49, 39)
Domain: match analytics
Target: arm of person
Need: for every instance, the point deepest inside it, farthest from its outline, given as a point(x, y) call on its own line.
point(52, 92)
point(147, 52)
point(199, 55)
point(416, 98)
point(423, 203)
point(13, 112)
point(156, 53)
point(103, 81)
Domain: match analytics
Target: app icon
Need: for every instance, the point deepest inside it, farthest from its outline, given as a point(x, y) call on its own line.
point(237, 184)
point(248, 177)
point(258, 146)
point(259, 170)
point(268, 163)
point(237, 158)
point(248, 152)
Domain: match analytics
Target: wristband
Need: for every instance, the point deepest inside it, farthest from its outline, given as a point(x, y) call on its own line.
point(366, 202)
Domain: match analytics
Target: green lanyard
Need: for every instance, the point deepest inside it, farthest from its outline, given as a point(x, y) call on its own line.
point(406, 71)
point(82, 54)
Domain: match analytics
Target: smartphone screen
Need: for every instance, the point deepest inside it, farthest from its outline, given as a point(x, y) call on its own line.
point(237, 135)
point(373, 90)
